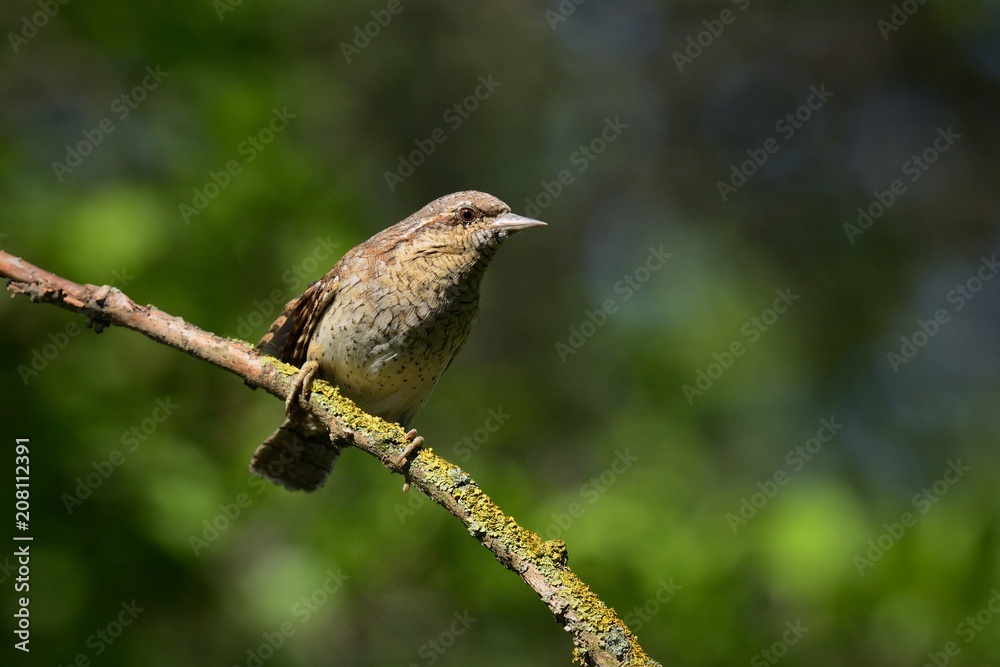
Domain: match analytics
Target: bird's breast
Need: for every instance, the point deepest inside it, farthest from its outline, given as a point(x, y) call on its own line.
point(387, 342)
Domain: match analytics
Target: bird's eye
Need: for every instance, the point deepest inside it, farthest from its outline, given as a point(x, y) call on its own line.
point(466, 214)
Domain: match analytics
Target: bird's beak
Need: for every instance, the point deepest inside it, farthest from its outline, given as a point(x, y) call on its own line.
point(511, 222)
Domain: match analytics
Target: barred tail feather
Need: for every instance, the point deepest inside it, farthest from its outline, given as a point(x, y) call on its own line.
point(298, 458)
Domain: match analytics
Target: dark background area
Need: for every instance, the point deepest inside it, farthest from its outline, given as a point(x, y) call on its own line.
point(812, 480)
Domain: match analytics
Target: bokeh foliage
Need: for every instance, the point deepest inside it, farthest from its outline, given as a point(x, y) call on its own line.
point(562, 419)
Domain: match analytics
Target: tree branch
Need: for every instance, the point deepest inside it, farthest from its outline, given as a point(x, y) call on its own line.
point(599, 636)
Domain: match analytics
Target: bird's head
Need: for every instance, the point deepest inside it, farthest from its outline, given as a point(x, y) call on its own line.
point(464, 227)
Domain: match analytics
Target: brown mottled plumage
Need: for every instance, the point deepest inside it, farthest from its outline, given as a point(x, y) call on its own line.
point(383, 324)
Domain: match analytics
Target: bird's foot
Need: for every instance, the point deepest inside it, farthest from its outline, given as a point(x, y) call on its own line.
point(301, 386)
point(414, 443)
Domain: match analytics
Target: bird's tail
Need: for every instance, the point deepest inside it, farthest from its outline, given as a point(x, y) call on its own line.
point(297, 455)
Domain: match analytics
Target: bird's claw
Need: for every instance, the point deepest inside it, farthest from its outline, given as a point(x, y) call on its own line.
point(415, 442)
point(301, 386)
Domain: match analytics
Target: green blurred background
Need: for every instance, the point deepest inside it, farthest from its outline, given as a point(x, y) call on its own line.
point(709, 521)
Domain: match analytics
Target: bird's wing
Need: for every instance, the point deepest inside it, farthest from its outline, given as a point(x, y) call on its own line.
point(288, 337)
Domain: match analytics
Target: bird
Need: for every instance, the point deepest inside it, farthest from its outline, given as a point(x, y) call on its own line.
point(383, 325)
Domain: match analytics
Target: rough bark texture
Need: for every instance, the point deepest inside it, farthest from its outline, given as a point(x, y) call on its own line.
point(599, 636)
